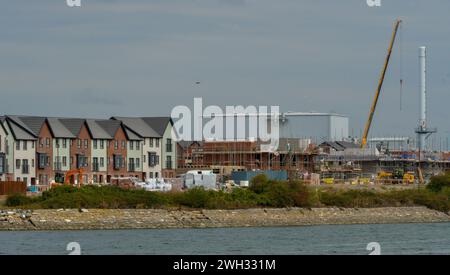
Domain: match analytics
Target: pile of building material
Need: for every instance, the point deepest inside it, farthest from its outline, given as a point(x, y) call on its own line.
point(200, 178)
point(154, 185)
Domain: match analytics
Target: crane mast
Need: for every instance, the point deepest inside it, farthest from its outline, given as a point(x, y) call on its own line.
point(380, 85)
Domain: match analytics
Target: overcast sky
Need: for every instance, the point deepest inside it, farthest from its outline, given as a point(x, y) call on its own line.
point(143, 57)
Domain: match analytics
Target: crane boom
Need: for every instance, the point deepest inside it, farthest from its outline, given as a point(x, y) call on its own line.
point(380, 85)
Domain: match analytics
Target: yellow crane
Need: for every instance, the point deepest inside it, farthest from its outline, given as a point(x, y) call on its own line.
point(380, 85)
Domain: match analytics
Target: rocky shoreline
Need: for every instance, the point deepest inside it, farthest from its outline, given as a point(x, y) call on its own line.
point(96, 219)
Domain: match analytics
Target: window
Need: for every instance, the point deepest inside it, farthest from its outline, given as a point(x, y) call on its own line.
point(131, 166)
point(151, 142)
point(25, 168)
point(43, 160)
point(94, 142)
point(17, 163)
point(138, 145)
point(138, 163)
point(25, 147)
point(151, 175)
point(153, 159)
point(156, 174)
point(82, 161)
point(118, 162)
point(18, 145)
point(102, 144)
point(64, 161)
point(124, 144)
point(64, 143)
point(95, 165)
point(6, 146)
point(41, 143)
point(102, 162)
point(157, 142)
point(47, 143)
point(116, 144)
point(56, 143)
point(169, 162)
point(32, 144)
point(131, 145)
point(32, 162)
point(86, 144)
point(2, 163)
point(169, 145)
point(79, 143)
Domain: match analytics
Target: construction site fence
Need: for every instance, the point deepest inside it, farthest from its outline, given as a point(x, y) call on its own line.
point(12, 187)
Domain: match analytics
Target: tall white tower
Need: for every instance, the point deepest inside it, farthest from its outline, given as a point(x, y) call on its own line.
point(423, 131)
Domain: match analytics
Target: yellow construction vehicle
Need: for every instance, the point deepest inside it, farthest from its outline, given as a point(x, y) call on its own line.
point(380, 85)
point(409, 178)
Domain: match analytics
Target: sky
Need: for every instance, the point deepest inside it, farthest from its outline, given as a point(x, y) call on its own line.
point(144, 57)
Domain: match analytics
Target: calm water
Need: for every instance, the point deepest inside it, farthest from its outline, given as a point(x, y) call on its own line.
point(332, 239)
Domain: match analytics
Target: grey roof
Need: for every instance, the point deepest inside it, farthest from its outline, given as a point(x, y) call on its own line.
point(73, 124)
point(2, 120)
point(58, 129)
point(18, 132)
point(131, 135)
point(97, 131)
point(21, 124)
point(109, 126)
point(139, 126)
point(34, 123)
point(159, 124)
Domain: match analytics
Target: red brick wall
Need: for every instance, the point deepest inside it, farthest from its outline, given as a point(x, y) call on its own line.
point(86, 151)
point(44, 146)
point(119, 138)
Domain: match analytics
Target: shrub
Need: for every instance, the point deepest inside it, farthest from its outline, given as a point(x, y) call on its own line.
point(259, 184)
point(18, 200)
point(437, 183)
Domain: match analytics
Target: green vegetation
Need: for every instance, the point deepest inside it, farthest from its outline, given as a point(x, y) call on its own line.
point(438, 183)
point(262, 193)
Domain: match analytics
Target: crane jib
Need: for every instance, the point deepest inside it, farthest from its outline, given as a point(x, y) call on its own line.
point(380, 85)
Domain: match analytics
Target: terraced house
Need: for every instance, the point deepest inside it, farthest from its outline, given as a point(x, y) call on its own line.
point(62, 140)
point(150, 148)
point(117, 165)
point(3, 150)
point(163, 126)
point(20, 155)
point(41, 150)
point(99, 150)
point(158, 146)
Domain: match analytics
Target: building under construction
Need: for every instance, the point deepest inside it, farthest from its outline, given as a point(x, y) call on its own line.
point(294, 155)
